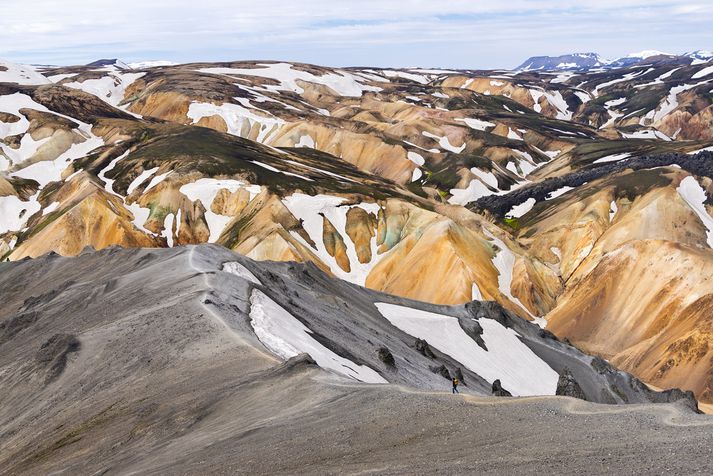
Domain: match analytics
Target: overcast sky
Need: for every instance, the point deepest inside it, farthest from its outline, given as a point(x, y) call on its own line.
point(429, 33)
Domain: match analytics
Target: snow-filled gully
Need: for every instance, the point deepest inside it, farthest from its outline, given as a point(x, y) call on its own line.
point(286, 336)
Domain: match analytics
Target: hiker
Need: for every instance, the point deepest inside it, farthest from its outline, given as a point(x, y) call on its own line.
point(455, 385)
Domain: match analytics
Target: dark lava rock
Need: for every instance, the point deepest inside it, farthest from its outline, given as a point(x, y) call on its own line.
point(699, 164)
point(442, 370)
point(675, 395)
point(499, 391)
point(474, 331)
point(386, 356)
point(567, 386)
point(602, 366)
point(423, 347)
point(545, 334)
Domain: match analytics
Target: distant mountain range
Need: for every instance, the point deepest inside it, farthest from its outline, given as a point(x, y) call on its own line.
point(589, 61)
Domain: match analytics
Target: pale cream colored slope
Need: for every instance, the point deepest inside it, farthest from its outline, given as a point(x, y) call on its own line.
point(564, 235)
point(86, 216)
point(642, 296)
point(660, 214)
point(639, 306)
point(262, 231)
point(438, 265)
point(503, 87)
point(431, 257)
point(366, 151)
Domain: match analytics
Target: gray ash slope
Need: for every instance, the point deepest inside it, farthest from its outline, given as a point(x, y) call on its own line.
point(146, 360)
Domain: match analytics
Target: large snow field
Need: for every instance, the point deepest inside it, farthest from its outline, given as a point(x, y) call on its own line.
point(520, 371)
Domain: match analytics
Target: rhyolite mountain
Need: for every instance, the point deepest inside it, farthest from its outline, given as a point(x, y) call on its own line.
point(579, 200)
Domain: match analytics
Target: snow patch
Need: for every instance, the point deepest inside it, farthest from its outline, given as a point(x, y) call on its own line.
point(613, 158)
point(305, 141)
point(157, 180)
point(240, 120)
point(205, 190)
point(241, 271)
point(560, 191)
point(416, 174)
point(671, 101)
point(612, 210)
point(507, 358)
point(513, 135)
point(20, 74)
point(519, 210)
point(317, 169)
point(417, 78)
point(475, 190)
point(110, 88)
point(504, 261)
point(14, 212)
point(477, 124)
point(416, 158)
point(694, 195)
point(284, 335)
point(488, 178)
point(151, 64)
point(168, 229)
point(701, 150)
point(311, 210)
point(476, 295)
point(275, 169)
point(140, 179)
point(341, 82)
point(703, 73)
point(444, 142)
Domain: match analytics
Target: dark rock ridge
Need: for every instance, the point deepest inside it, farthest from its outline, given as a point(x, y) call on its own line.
point(700, 164)
point(567, 386)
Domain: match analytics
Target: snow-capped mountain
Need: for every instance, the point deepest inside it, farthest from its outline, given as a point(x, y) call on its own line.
point(646, 56)
point(111, 63)
point(574, 61)
point(700, 56)
point(589, 61)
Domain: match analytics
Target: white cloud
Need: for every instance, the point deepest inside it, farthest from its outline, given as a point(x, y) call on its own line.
point(482, 33)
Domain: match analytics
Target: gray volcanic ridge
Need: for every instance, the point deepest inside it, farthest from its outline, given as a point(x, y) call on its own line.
point(197, 360)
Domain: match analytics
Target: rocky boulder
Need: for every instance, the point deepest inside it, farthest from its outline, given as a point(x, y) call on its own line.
point(499, 391)
point(567, 386)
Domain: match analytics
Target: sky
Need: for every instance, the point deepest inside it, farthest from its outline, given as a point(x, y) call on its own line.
point(480, 34)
